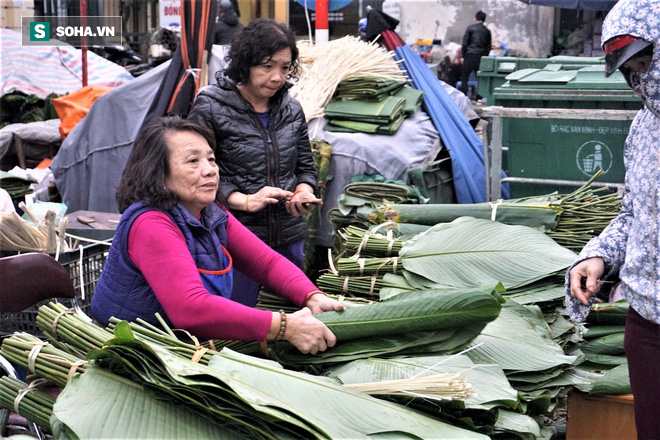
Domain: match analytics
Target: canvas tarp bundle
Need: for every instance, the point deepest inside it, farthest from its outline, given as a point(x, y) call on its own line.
point(374, 112)
point(367, 87)
point(413, 97)
point(91, 160)
point(346, 126)
point(60, 68)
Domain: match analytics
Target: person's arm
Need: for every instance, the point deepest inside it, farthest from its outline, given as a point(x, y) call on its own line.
point(605, 253)
point(158, 249)
point(305, 170)
point(267, 267)
point(466, 42)
point(489, 40)
point(200, 112)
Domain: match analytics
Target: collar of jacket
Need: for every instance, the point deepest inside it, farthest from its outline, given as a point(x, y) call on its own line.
point(211, 216)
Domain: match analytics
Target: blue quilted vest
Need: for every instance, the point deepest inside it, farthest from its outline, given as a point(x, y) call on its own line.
point(123, 292)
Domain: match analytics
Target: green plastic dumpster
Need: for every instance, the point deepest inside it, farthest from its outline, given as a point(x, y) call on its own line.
point(564, 149)
point(493, 70)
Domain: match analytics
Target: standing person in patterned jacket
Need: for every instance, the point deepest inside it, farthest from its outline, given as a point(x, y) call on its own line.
point(631, 243)
point(262, 148)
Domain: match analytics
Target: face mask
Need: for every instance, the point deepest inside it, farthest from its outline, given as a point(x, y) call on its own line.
point(638, 83)
point(635, 82)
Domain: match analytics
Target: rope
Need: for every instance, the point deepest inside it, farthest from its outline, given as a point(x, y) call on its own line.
point(493, 213)
point(199, 349)
point(57, 319)
point(32, 386)
point(32, 356)
point(74, 368)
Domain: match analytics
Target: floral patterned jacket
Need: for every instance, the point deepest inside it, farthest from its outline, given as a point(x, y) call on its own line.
point(631, 243)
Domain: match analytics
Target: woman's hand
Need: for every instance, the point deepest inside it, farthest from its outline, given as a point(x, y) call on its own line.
point(308, 334)
point(296, 205)
point(591, 269)
point(318, 303)
point(267, 195)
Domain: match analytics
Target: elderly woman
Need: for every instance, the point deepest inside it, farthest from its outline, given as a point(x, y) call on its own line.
point(176, 247)
point(266, 167)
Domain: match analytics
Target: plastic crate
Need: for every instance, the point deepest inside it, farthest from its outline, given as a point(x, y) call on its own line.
point(90, 266)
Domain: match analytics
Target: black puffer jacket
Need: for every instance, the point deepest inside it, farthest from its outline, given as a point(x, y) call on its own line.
point(251, 157)
point(476, 41)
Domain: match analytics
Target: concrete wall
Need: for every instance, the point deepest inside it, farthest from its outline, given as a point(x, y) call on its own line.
point(521, 26)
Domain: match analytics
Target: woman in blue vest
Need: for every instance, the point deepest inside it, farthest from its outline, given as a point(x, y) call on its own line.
point(176, 248)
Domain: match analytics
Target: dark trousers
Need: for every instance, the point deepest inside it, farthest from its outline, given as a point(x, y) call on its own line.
point(642, 344)
point(470, 64)
point(246, 290)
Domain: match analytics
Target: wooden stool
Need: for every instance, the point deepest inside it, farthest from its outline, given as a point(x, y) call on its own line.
point(600, 417)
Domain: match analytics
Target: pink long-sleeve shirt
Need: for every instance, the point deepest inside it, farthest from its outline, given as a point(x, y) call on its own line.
point(158, 248)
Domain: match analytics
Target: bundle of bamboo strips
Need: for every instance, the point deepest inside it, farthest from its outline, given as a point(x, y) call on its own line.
point(585, 213)
point(447, 386)
point(325, 66)
point(41, 358)
point(34, 405)
point(370, 242)
point(366, 286)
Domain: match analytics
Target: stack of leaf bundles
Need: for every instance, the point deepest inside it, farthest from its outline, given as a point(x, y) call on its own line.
point(371, 105)
point(571, 219)
point(16, 186)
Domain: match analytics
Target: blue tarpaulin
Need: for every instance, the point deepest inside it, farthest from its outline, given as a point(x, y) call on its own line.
point(590, 5)
point(465, 147)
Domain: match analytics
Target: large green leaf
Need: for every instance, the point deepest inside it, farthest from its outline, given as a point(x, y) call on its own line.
point(610, 345)
point(415, 311)
point(444, 341)
point(491, 388)
point(518, 342)
point(335, 410)
point(98, 404)
point(514, 423)
point(539, 295)
point(616, 381)
point(470, 252)
point(608, 313)
point(279, 403)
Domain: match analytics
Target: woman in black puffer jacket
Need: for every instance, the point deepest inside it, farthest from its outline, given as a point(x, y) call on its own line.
point(262, 148)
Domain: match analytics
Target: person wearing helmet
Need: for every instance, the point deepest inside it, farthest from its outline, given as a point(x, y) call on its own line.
point(630, 245)
point(227, 25)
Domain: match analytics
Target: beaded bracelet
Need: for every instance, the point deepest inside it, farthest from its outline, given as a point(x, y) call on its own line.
point(280, 335)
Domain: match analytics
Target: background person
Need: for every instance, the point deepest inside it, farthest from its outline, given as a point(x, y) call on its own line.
point(176, 247)
point(263, 151)
point(476, 44)
point(227, 25)
point(631, 243)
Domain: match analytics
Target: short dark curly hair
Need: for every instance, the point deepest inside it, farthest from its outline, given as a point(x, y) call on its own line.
point(148, 165)
point(261, 38)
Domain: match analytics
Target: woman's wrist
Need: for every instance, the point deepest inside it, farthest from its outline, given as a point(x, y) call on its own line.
point(278, 326)
point(312, 293)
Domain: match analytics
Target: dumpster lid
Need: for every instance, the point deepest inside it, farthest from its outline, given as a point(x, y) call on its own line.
point(591, 77)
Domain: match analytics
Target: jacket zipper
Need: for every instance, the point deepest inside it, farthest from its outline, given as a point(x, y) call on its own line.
point(272, 223)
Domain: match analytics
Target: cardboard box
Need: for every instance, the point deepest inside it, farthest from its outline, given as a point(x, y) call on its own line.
point(600, 417)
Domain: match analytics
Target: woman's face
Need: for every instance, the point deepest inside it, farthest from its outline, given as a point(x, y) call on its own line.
point(267, 77)
point(193, 173)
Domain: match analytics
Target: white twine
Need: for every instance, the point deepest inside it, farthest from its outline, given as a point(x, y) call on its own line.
point(32, 356)
point(32, 386)
point(493, 213)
